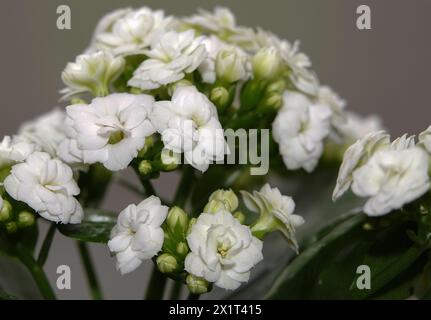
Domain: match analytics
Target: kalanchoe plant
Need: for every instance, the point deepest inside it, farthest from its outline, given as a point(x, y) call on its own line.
point(158, 93)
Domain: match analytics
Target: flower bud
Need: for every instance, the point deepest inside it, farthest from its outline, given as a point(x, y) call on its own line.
point(232, 65)
point(273, 102)
point(196, 285)
point(278, 86)
point(26, 219)
point(92, 72)
point(149, 143)
point(177, 218)
point(239, 216)
point(220, 97)
point(11, 227)
point(167, 263)
point(267, 63)
point(182, 249)
point(227, 196)
point(191, 223)
point(215, 206)
point(169, 159)
point(6, 211)
point(145, 167)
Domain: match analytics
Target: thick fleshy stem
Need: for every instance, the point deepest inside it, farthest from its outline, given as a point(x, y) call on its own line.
point(44, 251)
point(156, 287)
point(92, 280)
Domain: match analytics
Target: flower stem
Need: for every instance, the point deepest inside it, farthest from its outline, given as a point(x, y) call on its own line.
point(93, 282)
point(176, 291)
point(184, 187)
point(37, 273)
point(193, 296)
point(156, 287)
point(44, 251)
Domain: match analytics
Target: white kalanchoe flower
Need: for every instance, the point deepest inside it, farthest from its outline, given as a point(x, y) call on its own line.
point(223, 251)
point(425, 139)
point(92, 72)
point(213, 45)
point(356, 127)
point(46, 131)
point(222, 23)
point(189, 124)
point(326, 96)
point(232, 65)
point(276, 213)
point(300, 128)
point(171, 57)
point(138, 235)
point(14, 149)
point(127, 32)
point(105, 25)
point(47, 186)
point(111, 130)
point(392, 178)
point(357, 155)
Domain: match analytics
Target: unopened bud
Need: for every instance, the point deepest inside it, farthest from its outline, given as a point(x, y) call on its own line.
point(169, 159)
point(182, 249)
point(215, 206)
point(145, 167)
point(191, 223)
point(239, 216)
point(182, 83)
point(276, 87)
point(231, 65)
point(196, 285)
point(220, 97)
point(273, 102)
point(167, 263)
point(149, 142)
point(11, 227)
point(177, 220)
point(26, 219)
point(6, 211)
point(267, 63)
point(227, 196)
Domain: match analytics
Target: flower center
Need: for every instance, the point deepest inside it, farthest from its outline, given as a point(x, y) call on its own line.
point(116, 137)
point(223, 248)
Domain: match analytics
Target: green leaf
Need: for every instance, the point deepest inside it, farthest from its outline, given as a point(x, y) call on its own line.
point(5, 296)
point(96, 227)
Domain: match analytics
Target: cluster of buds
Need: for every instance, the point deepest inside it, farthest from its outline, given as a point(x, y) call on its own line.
point(13, 219)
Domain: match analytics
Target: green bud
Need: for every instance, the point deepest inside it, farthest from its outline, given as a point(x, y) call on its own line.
point(220, 97)
point(11, 227)
point(78, 101)
point(167, 263)
point(149, 143)
point(182, 83)
point(215, 206)
point(196, 285)
point(145, 167)
point(227, 196)
point(273, 102)
point(231, 65)
point(239, 216)
point(267, 63)
point(6, 211)
point(182, 249)
point(177, 217)
point(276, 87)
point(191, 223)
point(170, 160)
point(26, 219)
point(134, 90)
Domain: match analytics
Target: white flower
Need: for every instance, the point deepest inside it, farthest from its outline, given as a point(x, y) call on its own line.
point(232, 65)
point(47, 186)
point(138, 235)
point(45, 132)
point(189, 124)
point(222, 23)
point(392, 178)
point(111, 130)
point(300, 128)
point(14, 150)
point(357, 155)
point(425, 139)
point(355, 127)
point(326, 96)
point(92, 72)
point(276, 212)
point(170, 58)
point(223, 250)
point(129, 32)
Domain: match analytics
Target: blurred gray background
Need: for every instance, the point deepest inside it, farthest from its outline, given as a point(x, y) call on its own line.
point(384, 71)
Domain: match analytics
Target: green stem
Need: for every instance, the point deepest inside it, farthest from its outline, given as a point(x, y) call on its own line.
point(156, 287)
point(193, 296)
point(184, 187)
point(44, 251)
point(148, 187)
point(93, 282)
point(176, 291)
point(37, 273)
